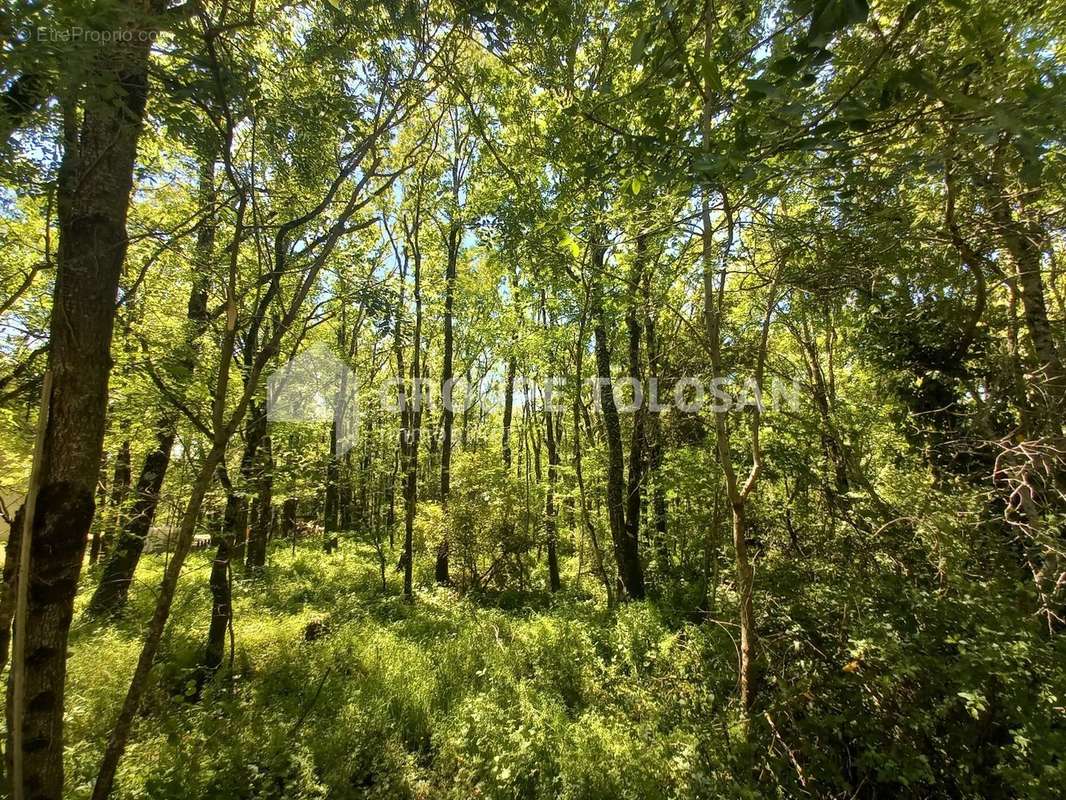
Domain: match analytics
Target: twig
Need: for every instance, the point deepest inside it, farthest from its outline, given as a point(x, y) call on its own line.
point(307, 710)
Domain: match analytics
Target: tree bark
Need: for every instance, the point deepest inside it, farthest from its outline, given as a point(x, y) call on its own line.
point(332, 501)
point(96, 176)
point(551, 522)
point(96, 543)
point(7, 599)
point(1023, 239)
point(414, 429)
point(586, 519)
point(447, 374)
point(113, 589)
point(635, 484)
point(345, 497)
point(508, 411)
point(410, 401)
point(630, 573)
point(259, 533)
point(120, 489)
point(220, 583)
point(713, 310)
point(655, 432)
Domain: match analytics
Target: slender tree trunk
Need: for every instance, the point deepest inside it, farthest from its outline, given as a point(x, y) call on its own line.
point(738, 495)
point(410, 402)
point(96, 176)
point(586, 520)
point(329, 523)
point(230, 546)
point(366, 513)
point(254, 432)
point(220, 583)
point(1023, 239)
point(120, 490)
point(117, 574)
point(655, 432)
point(551, 515)
point(508, 411)
point(289, 511)
point(7, 600)
point(390, 498)
point(96, 540)
point(635, 484)
point(630, 573)
point(448, 413)
point(112, 591)
point(414, 430)
point(259, 533)
point(344, 493)
point(551, 522)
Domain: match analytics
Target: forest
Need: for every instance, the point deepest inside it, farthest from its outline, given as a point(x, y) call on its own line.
point(519, 400)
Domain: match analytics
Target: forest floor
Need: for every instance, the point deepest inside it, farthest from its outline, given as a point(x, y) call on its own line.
point(339, 689)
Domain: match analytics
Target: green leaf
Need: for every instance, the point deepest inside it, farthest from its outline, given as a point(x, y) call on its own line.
point(709, 73)
point(708, 165)
point(835, 15)
point(917, 78)
point(789, 65)
point(636, 53)
point(758, 88)
point(569, 244)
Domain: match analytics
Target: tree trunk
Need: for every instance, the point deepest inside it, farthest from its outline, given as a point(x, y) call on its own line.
point(96, 176)
point(332, 501)
point(655, 432)
point(551, 522)
point(630, 574)
point(114, 517)
point(410, 402)
point(390, 497)
point(112, 591)
point(448, 413)
point(414, 417)
point(344, 493)
point(745, 589)
point(289, 510)
point(713, 311)
point(635, 484)
point(221, 583)
point(1023, 239)
point(586, 520)
point(117, 574)
point(7, 599)
point(508, 410)
point(259, 533)
point(254, 432)
point(97, 540)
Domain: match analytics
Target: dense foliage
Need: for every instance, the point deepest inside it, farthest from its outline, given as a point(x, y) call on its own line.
point(585, 399)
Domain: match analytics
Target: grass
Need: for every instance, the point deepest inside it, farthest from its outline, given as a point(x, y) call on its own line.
point(341, 690)
point(445, 697)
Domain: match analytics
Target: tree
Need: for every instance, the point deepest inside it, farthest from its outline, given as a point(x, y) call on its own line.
point(93, 199)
